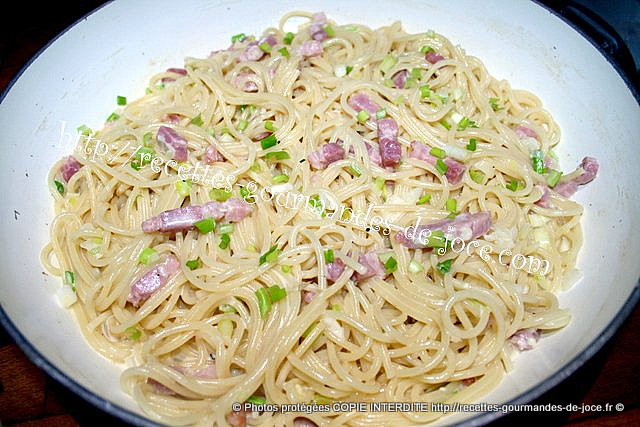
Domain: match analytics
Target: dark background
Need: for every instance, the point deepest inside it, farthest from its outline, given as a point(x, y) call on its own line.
point(29, 397)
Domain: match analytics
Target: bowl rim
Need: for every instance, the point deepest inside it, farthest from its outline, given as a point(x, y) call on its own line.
point(480, 419)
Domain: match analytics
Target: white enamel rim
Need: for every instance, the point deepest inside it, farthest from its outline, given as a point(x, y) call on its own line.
point(597, 110)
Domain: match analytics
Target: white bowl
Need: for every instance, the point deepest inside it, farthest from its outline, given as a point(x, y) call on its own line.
point(114, 50)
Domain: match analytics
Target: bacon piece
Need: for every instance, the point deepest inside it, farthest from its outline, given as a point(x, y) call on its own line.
point(590, 167)
point(329, 153)
point(180, 71)
point(360, 102)
point(400, 78)
point(390, 150)
point(69, 167)
point(311, 48)
point(153, 280)
point(374, 267)
point(171, 141)
point(544, 201)
point(251, 53)
point(237, 418)
point(245, 81)
point(309, 296)
point(335, 269)
point(174, 119)
point(316, 30)
point(433, 57)
point(455, 169)
point(523, 132)
point(182, 219)
point(160, 388)
point(303, 422)
point(261, 135)
point(211, 155)
point(374, 155)
point(466, 226)
point(525, 339)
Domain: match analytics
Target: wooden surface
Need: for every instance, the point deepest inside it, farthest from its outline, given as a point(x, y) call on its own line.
point(28, 397)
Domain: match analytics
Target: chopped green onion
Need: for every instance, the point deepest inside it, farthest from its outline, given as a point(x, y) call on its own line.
point(335, 307)
point(244, 192)
point(145, 154)
point(257, 400)
point(425, 49)
point(309, 329)
point(121, 100)
point(363, 116)
point(268, 141)
point(513, 185)
point(388, 82)
point(438, 152)
point(193, 264)
point(388, 62)
point(553, 155)
point(277, 155)
point(424, 199)
point(206, 225)
point(436, 239)
point(135, 165)
point(425, 92)
point(286, 268)
point(270, 256)
point(399, 100)
point(444, 266)
point(147, 91)
point(494, 104)
point(84, 130)
point(441, 166)
point(69, 278)
point(472, 145)
point(264, 303)
point(184, 187)
point(477, 176)
point(268, 125)
point(225, 228)
point(219, 194)
point(462, 124)
point(553, 178)
point(329, 30)
point(451, 205)
point(147, 256)
point(445, 123)
point(328, 256)
point(265, 47)
point(197, 120)
point(416, 73)
point(227, 308)
point(415, 267)
point(284, 52)
point(379, 183)
point(319, 399)
point(224, 241)
point(391, 265)
point(112, 117)
point(355, 170)
point(146, 139)
point(281, 179)
point(381, 114)
point(537, 161)
point(59, 186)
point(288, 38)
point(160, 86)
point(352, 28)
point(348, 69)
point(133, 333)
point(431, 34)
point(276, 293)
point(410, 83)
point(225, 326)
point(238, 38)
point(242, 124)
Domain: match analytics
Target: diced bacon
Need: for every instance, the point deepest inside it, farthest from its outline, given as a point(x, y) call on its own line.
point(237, 418)
point(329, 153)
point(360, 102)
point(270, 39)
point(208, 372)
point(390, 150)
point(167, 80)
point(261, 135)
point(303, 422)
point(433, 57)
point(171, 141)
point(69, 167)
point(455, 169)
point(311, 48)
point(400, 78)
point(160, 388)
point(211, 155)
point(316, 30)
point(465, 226)
point(374, 267)
point(251, 53)
point(153, 280)
point(374, 154)
point(309, 296)
point(335, 269)
point(468, 381)
point(183, 219)
point(174, 119)
point(180, 71)
point(523, 132)
point(544, 201)
point(525, 339)
point(245, 81)
point(589, 167)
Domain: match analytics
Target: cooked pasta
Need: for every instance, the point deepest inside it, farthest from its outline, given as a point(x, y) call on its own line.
point(336, 215)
